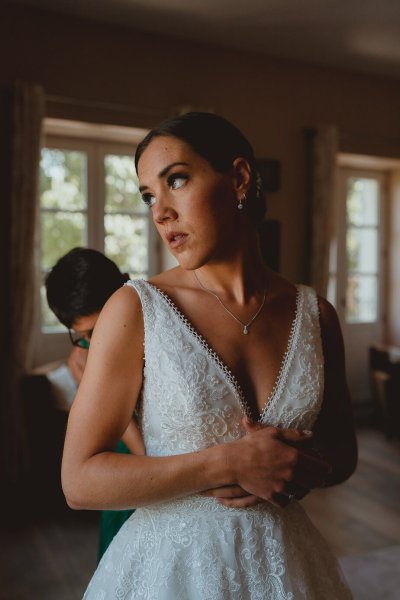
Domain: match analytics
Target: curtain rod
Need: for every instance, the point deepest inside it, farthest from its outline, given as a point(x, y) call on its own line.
point(126, 108)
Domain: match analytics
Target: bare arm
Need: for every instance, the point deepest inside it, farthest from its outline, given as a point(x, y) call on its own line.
point(132, 436)
point(334, 433)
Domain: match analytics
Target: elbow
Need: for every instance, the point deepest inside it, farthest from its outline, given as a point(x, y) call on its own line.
point(72, 503)
point(74, 492)
point(72, 497)
point(352, 465)
point(352, 459)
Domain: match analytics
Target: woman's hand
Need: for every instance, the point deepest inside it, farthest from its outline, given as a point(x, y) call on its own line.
point(77, 362)
point(233, 496)
point(270, 465)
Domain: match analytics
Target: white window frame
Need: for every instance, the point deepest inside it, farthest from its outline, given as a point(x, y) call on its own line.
point(381, 179)
point(96, 141)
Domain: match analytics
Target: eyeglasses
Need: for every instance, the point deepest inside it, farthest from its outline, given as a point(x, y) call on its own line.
point(81, 338)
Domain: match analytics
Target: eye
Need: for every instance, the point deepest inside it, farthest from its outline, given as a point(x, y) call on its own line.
point(177, 180)
point(149, 200)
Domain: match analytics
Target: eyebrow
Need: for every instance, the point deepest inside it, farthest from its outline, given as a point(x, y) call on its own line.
point(164, 172)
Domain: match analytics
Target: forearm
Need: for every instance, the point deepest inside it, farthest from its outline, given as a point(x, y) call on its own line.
point(334, 432)
point(117, 481)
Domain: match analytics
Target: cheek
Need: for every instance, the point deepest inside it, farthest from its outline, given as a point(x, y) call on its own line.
point(220, 201)
point(222, 212)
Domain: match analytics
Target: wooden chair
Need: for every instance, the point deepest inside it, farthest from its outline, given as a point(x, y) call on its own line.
point(393, 401)
point(385, 386)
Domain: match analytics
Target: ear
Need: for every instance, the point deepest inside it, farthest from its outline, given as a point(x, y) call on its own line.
point(241, 176)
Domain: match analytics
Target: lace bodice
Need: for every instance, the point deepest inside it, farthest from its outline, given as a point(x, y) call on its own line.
point(191, 400)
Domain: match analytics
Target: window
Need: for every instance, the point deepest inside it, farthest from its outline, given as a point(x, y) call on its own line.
point(89, 197)
point(362, 247)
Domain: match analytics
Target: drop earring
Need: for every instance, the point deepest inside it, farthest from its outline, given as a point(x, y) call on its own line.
point(241, 200)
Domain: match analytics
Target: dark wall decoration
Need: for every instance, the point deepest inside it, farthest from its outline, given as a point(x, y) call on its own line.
point(270, 171)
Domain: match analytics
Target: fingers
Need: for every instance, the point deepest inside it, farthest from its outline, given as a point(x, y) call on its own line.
point(296, 491)
point(290, 436)
point(245, 502)
point(250, 426)
point(294, 436)
point(228, 492)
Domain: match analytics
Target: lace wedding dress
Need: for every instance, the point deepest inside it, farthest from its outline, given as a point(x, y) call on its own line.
point(194, 548)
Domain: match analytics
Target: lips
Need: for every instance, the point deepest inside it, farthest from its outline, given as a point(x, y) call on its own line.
point(176, 239)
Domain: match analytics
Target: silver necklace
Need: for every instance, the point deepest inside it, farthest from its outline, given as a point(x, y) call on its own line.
point(246, 326)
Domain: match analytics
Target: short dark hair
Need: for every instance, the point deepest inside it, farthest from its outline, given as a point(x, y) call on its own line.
point(80, 283)
point(216, 140)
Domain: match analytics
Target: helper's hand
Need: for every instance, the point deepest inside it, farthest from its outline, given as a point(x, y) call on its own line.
point(77, 362)
point(132, 437)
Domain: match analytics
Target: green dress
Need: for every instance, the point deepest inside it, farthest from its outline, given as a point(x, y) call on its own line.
point(111, 521)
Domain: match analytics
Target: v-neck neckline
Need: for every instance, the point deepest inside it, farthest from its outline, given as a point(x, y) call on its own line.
point(281, 378)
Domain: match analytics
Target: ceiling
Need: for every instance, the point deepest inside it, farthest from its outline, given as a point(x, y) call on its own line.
point(361, 35)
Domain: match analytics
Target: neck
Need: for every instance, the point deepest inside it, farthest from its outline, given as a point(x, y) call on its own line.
point(238, 279)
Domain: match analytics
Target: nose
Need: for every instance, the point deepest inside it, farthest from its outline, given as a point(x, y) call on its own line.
point(163, 210)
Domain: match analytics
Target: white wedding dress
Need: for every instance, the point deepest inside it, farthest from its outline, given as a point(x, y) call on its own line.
point(195, 548)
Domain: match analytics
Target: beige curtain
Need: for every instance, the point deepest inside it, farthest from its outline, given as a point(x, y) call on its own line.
point(322, 151)
point(21, 276)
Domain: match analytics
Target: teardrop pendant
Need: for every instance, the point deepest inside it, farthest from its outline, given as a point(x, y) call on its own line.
point(245, 330)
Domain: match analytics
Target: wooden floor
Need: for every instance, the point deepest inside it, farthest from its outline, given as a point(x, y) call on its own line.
point(53, 558)
point(362, 514)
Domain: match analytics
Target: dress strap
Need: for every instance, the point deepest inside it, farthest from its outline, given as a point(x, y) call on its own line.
point(143, 290)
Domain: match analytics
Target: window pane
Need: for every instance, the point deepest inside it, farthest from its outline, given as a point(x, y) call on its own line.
point(122, 192)
point(362, 299)
point(126, 242)
point(362, 250)
point(60, 232)
point(362, 201)
point(63, 179)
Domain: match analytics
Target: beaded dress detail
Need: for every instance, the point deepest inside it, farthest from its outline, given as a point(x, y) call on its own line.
point(194, 548)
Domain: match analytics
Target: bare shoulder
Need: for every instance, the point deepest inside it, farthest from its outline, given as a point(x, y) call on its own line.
point(328, 315)
point(121, 317)
point(331, 332)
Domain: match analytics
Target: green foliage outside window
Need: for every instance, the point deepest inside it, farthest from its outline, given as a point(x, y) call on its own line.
point(64, 218)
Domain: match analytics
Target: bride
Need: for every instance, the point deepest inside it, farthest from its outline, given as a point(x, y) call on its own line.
point(237, 379)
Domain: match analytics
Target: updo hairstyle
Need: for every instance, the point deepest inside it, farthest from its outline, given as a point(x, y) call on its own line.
point(219, 143)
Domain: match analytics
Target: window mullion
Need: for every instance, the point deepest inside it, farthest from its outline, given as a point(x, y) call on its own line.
point(95, 239)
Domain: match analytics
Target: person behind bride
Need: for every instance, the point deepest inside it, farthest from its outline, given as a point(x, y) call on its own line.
point(77, 287)
point(238, 382)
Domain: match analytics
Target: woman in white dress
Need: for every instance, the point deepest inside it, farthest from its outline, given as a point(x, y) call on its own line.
point(237, 379)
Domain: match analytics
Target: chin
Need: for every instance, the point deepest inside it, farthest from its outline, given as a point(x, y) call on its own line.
point(191, 259)
point(191, 263)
